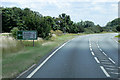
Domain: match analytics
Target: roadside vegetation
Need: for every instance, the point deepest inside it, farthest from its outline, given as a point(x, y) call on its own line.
point(29, 55)
point(18, 55)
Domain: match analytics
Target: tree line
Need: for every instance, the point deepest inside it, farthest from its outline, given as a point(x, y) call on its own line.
point(26, 19)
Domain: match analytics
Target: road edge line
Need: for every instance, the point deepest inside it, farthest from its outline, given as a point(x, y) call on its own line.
point(35, 70)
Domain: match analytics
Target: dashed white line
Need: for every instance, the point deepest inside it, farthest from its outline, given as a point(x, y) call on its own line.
point(105, 72)
point(90, 46)
point(112, 60)
point(30, 75)
point(104, 53)
point(100, 49)
point(93, 53)
point(97, 60)
point(90, 49)
point(98, 46)
point(107, 56)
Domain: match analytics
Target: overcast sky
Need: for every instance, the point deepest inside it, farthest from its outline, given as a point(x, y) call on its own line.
point(98, 11)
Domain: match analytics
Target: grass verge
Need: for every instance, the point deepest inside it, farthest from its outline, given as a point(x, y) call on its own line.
point(15, 63)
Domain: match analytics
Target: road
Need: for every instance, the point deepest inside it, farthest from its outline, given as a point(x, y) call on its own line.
point(88, 56)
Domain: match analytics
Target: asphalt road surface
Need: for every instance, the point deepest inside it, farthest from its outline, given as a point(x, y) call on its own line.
point(88, 56)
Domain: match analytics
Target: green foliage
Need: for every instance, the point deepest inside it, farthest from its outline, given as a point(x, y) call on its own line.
point(14, 32)
point(118, 28)
point(57, 32)
point(113, 25)
point(26, 19)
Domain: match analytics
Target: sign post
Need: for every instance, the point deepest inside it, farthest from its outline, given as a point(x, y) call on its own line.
point(27, 35)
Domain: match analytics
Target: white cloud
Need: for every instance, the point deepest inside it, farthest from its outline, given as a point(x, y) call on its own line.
point(76, 11)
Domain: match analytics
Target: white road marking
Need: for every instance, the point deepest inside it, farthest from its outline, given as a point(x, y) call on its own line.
point(112, 60)
point(109, 66)
point(90, 49)
point(90, 44)
point(114, 73)
point(97, 60)
point(98, 46)
point(104, 53)
point(26, 70)
point(93, 53)
point(105, 72)
point(111, 69)
point(104, 60)
point(31, 74)
point(106, 63)
point(100, 49)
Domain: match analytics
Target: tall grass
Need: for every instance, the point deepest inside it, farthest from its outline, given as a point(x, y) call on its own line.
point(15, 62)
point(10, 45)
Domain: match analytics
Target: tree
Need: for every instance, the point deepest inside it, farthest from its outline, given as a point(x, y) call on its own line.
point(118, 28)
point(88, 24)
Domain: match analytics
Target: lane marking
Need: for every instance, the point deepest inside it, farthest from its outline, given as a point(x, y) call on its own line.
point(104, 60)
point(109, 66)
point(90, 49)
point(100, 49)
point(106, 63)
point(104, 53)
point(105, 72)
point(112, 60)
point(90, 46)
point(107, 56)
point(114, 73)
point(93, 53)
point(97, 60)
point(32, 73)
point(26, 70)
point(111, 69)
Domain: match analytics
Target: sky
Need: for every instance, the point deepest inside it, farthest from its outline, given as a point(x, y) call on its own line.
point(98, 11)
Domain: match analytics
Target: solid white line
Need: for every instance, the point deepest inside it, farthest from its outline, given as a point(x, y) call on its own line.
point(30, 75)
point(26, 70)
point(93, 53)
point(103, 69)
point(112, 60)
point(97, 60)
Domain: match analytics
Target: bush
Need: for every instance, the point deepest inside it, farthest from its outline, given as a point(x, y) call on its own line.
point(57, 32)
point(14, 32)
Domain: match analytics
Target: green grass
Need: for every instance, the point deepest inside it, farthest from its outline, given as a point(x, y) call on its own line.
point(118, 36)
point(16, 62)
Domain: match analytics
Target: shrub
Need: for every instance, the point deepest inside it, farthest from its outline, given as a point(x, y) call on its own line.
point(14, 32)
point(56, 32)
